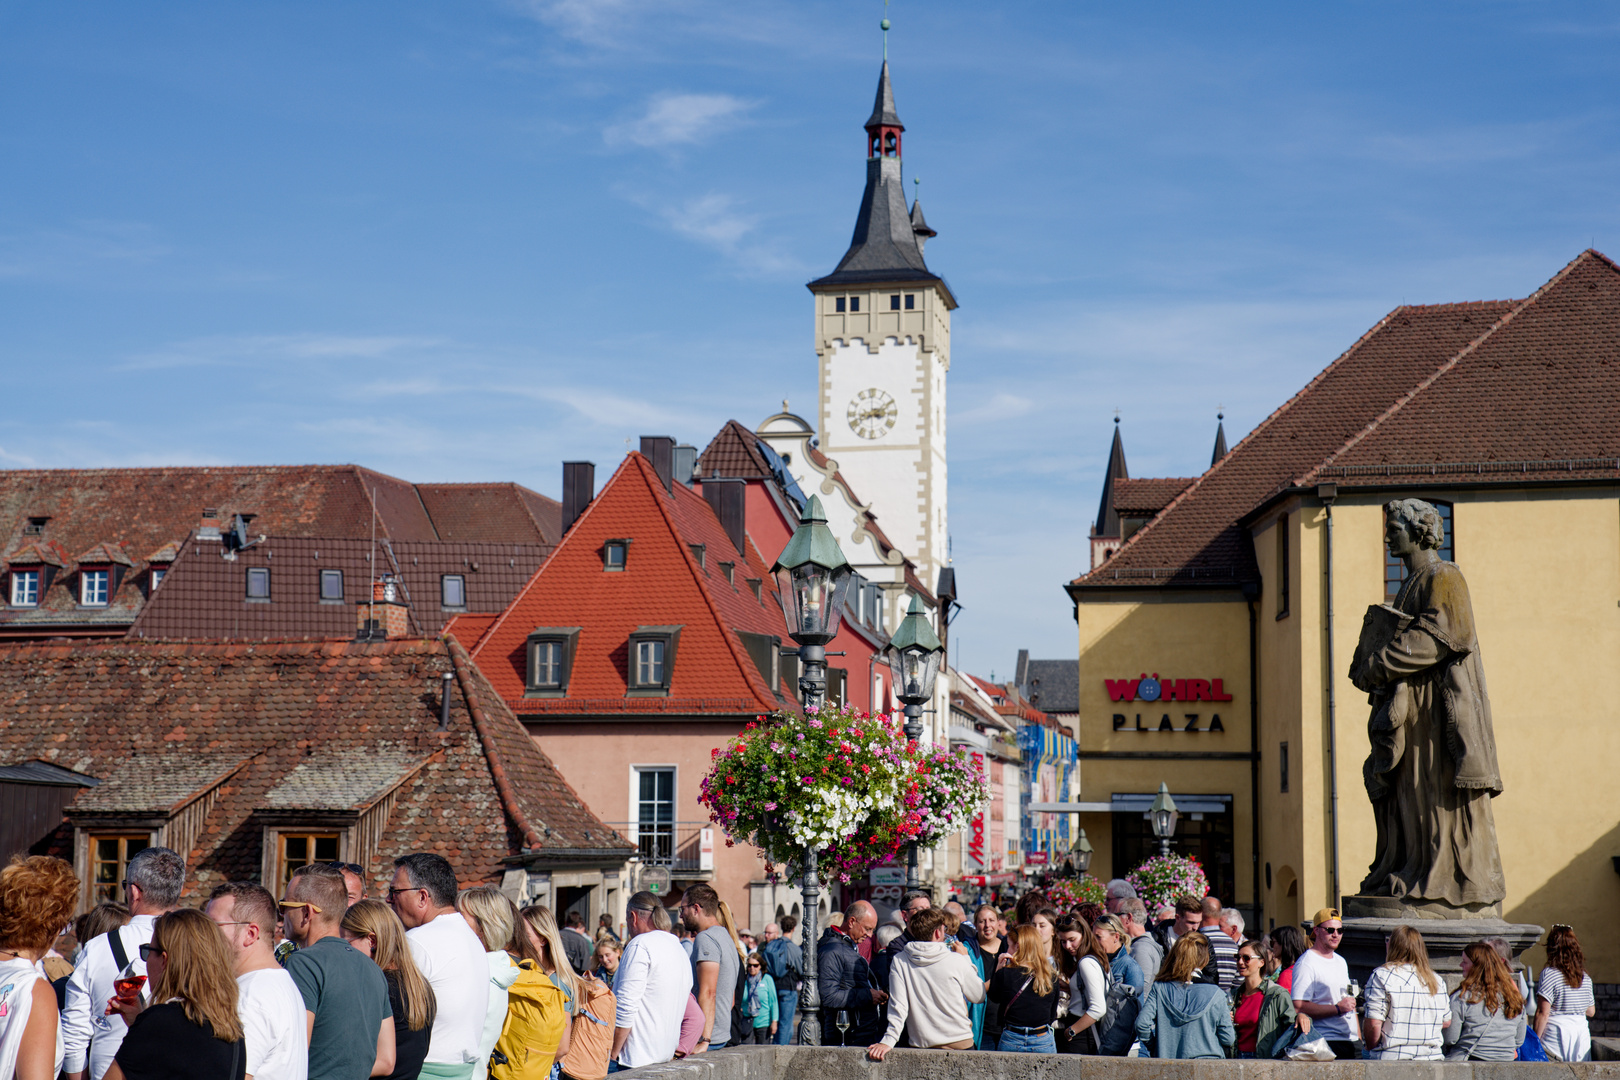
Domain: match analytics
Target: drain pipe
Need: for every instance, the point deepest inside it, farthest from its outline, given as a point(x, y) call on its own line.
point(1251, 593)
point(1328, 493)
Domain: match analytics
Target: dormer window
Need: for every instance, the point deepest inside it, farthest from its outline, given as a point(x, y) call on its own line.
point(550, 658)
point(729, 569)
point(652, 660)
point(699, 551)
point(158, 574)
point(614, 554)
point(25, 588)
point(94, 587)
point(35, 526)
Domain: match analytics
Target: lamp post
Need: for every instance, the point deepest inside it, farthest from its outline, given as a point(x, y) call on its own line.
point(1080, 854)
point(813, 577)
point(914, 655)
point(1164, 815)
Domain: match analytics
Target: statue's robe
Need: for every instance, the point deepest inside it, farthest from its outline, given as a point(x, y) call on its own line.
point(1432, 770)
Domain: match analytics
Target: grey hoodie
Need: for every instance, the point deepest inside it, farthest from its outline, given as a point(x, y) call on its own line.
point(930, 988)
point(1185, 1020)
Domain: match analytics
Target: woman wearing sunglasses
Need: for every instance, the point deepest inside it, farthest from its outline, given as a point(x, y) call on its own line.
point(190, 1031)
point(1261, 1009)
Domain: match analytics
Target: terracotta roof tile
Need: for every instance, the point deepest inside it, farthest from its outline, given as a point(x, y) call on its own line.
point(1147, 496)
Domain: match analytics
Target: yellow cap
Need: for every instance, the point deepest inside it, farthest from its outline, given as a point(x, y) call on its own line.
point(1325, 914)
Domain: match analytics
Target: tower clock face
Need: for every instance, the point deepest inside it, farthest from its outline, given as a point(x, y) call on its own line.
point(872, 414)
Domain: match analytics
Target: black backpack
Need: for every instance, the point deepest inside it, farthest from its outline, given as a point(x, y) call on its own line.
point(1117, 1029)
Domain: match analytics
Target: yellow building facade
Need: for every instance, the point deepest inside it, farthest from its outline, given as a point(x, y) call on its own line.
point(1507, 418)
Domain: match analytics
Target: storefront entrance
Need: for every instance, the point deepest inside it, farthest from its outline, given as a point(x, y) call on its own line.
point(1203, 831)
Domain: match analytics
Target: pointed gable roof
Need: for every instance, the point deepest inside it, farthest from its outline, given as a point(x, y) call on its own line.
point(662, 584)
point(734, 452)
point(1107, 523)
point(1220, 439)
point(883, 114)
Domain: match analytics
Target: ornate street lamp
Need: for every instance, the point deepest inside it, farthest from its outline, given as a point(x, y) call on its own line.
point(813, 577)
point(1080, 854)
point(1164, 815)
point(914, 655)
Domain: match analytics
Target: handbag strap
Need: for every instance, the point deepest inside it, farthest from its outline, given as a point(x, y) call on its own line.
point(1021, 989)
point(115, 942)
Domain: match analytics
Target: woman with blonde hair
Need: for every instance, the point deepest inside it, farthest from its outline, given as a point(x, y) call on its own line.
point(493, 918)
point(731, 928)
point(1566, 1001)
point(191, 1029)
point(1025, 987)
point(372, 927)
point(37, 897)
point(1407, 1008)
point(539, 1028)
point(1487, 1011)
point(1180, 1018)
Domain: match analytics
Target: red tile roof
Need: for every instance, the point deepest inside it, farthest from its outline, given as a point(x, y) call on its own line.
point(1147, 496)
point(1197, 538)
point(154, 510)
point(204, 596)
point(662, 584)
point(288, 726)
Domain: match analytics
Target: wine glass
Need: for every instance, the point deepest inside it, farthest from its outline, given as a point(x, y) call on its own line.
point(842, 1023)
point(127, 989)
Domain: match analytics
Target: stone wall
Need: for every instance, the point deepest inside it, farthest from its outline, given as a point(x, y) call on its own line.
point(850, 1063)
point(1607, 1021)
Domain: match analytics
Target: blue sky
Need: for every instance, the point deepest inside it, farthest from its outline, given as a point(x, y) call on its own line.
point(467, 241)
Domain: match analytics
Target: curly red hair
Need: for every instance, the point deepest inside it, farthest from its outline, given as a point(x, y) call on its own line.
point(38, 896)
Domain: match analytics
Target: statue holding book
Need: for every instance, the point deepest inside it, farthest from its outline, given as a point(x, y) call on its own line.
point(1432, 770)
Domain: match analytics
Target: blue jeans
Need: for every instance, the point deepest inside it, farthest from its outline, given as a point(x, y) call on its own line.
point(787, 1003)
point(1016, 1042)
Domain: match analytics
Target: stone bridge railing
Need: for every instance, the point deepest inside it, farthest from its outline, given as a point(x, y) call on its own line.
point(848, 1063)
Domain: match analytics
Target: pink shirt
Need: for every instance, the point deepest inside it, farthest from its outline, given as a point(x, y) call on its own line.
point(691, 1027)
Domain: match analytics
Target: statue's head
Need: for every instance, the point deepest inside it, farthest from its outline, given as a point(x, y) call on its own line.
point(1418, 521)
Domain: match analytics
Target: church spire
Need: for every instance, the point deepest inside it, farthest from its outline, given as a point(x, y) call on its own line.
point(1107, 517)
point(1220, 438)
point(887, 246)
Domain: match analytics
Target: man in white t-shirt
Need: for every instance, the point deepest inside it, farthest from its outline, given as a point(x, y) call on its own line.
point(452, 960)
point(652, 986)
point(1322, 984)
point(274, 1022)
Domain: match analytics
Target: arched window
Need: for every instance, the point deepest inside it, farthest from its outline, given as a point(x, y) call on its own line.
point(891, 143)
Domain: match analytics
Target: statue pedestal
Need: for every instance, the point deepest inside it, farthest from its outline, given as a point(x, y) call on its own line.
point(1368, 920)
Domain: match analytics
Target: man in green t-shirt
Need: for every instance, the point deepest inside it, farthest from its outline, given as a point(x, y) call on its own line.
point(351, 1028)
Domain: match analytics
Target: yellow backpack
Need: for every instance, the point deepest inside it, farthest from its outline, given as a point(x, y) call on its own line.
point(536, 1016)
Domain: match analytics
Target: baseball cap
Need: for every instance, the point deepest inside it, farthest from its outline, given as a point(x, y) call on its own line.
point(1325, 914)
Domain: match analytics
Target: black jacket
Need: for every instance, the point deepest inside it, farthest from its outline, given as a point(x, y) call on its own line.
point(845, 982)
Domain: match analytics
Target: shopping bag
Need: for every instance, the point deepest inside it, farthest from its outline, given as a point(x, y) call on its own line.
point(1315, 1049)
point(1530, 1049)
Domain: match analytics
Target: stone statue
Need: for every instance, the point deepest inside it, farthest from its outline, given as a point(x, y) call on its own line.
point(1432, 770)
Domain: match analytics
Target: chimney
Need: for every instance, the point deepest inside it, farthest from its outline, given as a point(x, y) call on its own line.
point(385, 617)
point(729, 498)
point(579, 488)
point(685, 463)
point(660, 450)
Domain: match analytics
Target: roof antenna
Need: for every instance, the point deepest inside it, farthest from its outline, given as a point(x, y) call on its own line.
point(885, 25)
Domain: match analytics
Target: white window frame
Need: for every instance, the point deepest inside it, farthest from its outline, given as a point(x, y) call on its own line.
point(650, 669)
point(101, 577)
point(553, 666)
point(634, 813)
point(25, 588)
point(330, 575)
point(247, 584)
point(444, 586)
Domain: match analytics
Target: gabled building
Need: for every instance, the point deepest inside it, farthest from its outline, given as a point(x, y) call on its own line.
point(650, 636)
point(985, 860)
point(254, 759)
point(84, 549)
point(1242, 600)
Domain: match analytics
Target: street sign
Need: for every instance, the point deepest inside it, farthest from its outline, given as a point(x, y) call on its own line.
point(886, 875)
point(1035, 858)
point(655, 879)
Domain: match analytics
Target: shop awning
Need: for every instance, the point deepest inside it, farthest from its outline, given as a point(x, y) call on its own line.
point(1132, 803)
point(1006, 878)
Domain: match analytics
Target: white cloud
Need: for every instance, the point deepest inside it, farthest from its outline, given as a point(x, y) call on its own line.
point(1001, 406)
point(226, 350)
point(77, 248)
point(672, 119)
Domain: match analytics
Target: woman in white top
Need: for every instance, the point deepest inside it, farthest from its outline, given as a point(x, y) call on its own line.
point(493, 918)
point(1407, 1007)
point(37, 898)
point(1085, 964)
point(1565, 990)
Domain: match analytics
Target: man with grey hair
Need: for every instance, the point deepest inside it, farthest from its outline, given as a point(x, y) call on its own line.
point(651, 987)
point(1232, 924)
point(152, 883)
point(1119, 891)
point(1143, 949)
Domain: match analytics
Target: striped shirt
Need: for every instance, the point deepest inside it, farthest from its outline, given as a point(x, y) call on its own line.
point(1554, 988)
point(1413, 1018)
point(1225, 952)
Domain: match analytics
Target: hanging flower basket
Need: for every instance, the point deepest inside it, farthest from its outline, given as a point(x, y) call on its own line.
point(839, 781)
point(1163, 879)
point(1067, 892)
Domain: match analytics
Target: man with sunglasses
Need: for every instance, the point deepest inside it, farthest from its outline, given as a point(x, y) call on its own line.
point(1322, 984)
point(349, 1025)
point(354, 880)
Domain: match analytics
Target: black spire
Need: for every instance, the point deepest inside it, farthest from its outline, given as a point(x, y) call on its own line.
point(883, 114)
point(1107, 517)
point(887, 244)
point(1220, 438)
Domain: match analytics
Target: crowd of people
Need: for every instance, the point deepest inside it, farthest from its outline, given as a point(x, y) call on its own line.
point(444, 983)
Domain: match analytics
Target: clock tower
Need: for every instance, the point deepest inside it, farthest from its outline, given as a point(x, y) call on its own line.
point(883, 339)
